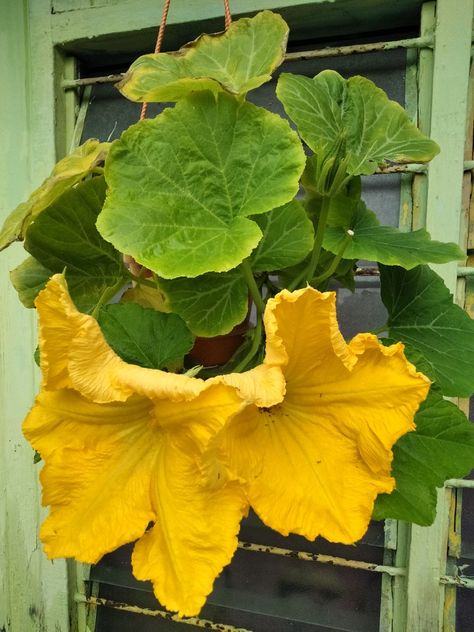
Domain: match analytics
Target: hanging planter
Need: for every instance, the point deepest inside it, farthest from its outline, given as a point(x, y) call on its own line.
point(316, 434)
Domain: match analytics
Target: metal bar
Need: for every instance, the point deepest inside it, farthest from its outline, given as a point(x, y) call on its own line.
point(161, 614)
point(460, 581)
point(339, 51)
point(323, 559)
point(81, 118)
point(408, 168)
point(91, 81)
point(330, 51)
point(460, 482)
point(414, 167)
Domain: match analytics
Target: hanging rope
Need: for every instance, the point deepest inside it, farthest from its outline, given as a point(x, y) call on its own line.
point(161, 34)
point(227, 14)
point(159, 41)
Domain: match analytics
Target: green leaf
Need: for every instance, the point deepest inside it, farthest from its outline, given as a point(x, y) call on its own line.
point(28, 279)
point(288, 236)
point(211, 304)
point(442, 447)
point(238, 60)
point(64, 236)
point(65, 175)
point(181, 186)
point(144, 336)
point(352, 118)
point(385, 244)
point(422, 314)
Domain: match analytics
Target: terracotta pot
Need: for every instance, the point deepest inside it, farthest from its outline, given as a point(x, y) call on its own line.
point(211, 352)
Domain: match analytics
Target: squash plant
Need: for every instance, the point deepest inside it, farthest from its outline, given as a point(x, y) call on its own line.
point(138, 247)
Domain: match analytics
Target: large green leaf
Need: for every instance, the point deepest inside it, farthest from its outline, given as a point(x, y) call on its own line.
point(288, 236)
point(144, 336)
point(442, 447)
point(238, 60)
point(353, 118)
point(181, 186)
point(211, 304)
point(65, 175)
point(28, 279)
point(422, 314)
point(64, 236)
point(385, 244)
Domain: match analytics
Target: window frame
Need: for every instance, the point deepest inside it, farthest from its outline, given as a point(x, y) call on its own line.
point(44, 124)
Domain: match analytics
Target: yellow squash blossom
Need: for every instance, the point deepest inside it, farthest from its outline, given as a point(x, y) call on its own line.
point(315, 462)
point(125, 446)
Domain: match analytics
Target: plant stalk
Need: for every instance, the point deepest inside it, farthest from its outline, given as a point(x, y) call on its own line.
point(308, 274)
point(257, 336)
point(107, 294)
point(140, 280)
point(253, 287)
point(336, 261)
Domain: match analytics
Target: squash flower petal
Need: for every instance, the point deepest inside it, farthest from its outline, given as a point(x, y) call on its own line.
point(315, 462)
point(125, 446)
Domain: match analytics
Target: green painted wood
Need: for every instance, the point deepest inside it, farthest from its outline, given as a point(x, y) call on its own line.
point(425, 93)
point(118, 25)
point(448, 120)
point(411, 106)
point(444, 118)
point(32, 589)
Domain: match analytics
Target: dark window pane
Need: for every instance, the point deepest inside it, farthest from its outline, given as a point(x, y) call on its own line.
point(464, 610)
point(267, 592)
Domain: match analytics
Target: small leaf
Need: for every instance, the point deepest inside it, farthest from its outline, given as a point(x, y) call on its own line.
point(144, 336)
point(65, 175)
point(422, 314)
point(211, 304)
point(237, 60)
point(385, 244)
point(64, 236)
point(146, 296)
point(288, 236)
point(442, 447)
point(181, 186)
point(28, 279)
point(353, 116)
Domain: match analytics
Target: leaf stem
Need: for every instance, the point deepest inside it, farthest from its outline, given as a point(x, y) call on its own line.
point(308, 273)
point(107, 294)
point(140, 280)
point(257, 336)
point(253, 287)
point(336, 261)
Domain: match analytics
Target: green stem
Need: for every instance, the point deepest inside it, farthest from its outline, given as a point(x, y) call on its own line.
point(257, 336)
point(336, 261)
point(308, 273)
point(140, 280)
point(107, 294)
point(253, 287)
